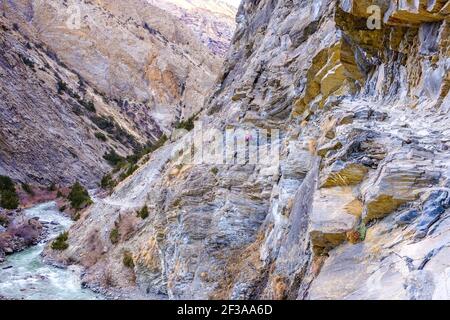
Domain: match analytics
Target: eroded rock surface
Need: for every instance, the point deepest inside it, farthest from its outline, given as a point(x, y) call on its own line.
point(18, 232)
point(81, 78)
point(364, 143)
point(211, 20)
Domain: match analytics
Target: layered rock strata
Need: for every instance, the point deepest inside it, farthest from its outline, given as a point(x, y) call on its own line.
point(80, 78)
point(356, 208)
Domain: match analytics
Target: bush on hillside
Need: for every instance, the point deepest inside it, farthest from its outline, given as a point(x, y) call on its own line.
point(9, 200)
point(187, 124)
point(107, 182)
point(143, 213)
point(62, 86)
point(27, 188)
point(128, 259)
point(113, 158)
point(131, 169)
point(114, 236)
point(79, 197)
point(6, 183)
point(100, 136)
point(60, 243)
point(8, 195)
point(89, 105)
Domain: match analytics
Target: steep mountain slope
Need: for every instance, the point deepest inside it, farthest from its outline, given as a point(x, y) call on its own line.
point(211, 20)
point(357, 206)
point(129, 60)
point(48, 136)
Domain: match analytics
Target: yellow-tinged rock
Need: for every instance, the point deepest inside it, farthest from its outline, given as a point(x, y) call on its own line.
point(354, 207)
point(343, 174)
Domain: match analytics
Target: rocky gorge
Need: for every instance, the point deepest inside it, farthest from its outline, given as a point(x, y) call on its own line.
point(357, 207)
point(104, 76)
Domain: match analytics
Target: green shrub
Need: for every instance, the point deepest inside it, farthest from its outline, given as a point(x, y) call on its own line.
point(60, 243)
point(100, 136)
point(214, 171)
point(76, 216)
point(362, 230)
point(52, 187)
point(162, 140)
point(119, 166)
point(115, 131)
point(131, 169)
point(6, 183)
point(107, 182)
point(112, 157)
point(177, 202)
point(114, 236)
point(187, 124)
point(128, 259)
point(79, 197)
point(127, 166)
point(62, 86)
point(59, 194)
point(103, 123)
point(8, 195)
point(89, 105)
point(143, 213)
point(9, 200)
point(124, 137)
point(27, 188)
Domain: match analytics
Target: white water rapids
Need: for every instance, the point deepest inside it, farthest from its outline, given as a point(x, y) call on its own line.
point(25, 276)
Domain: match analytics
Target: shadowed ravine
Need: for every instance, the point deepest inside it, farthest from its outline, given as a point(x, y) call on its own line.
point(24, 275)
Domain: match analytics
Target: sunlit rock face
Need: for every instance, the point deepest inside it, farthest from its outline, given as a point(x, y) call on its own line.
point(211, 20)
point(357, 206)
point(142, 66)
point(130, 50)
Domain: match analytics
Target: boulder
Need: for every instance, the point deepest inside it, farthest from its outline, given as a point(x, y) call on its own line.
point(331, 218)
point(436, 204)
point(396, 182)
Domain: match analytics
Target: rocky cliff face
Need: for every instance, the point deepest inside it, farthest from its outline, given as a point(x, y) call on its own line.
point(211, 20)
point(72, 71)
point(357, 206)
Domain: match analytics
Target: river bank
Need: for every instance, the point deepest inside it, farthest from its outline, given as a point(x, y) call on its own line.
point(24, 275)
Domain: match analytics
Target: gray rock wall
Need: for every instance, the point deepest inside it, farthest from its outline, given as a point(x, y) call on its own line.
point(364, 121)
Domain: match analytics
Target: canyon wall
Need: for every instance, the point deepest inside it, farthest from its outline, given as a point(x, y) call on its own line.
point(211, 20)
point(357, 206)
point(73, 71)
